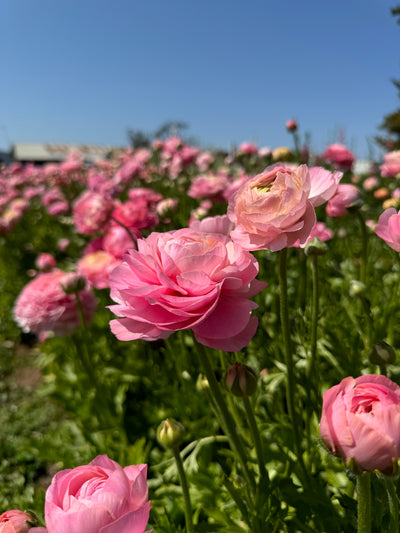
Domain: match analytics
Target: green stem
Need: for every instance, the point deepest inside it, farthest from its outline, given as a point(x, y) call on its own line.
point(364, 250)
point(185, 490)
point(133, 238)
point(256, 437)
point(290, 376)
point(225, 416)
point(314, 374)
point(393, 505)
point(364, 502)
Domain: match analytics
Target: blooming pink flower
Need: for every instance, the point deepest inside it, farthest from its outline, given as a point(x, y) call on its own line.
point(118, 241)
point(339, 156)
point(361, 420)
point(346, 195)
point(247, 148)
point(96, 268)
point(91, 211)
point(186, 280)
point(272, 210)
point(43, 306)
point(320, 231)
point(218, 224)
point(391, 166)
point(135, 214)
point(204, 160)
point(15, 521)
point(388, 228)
point(209, 186)
point(101, 497)
point(324, 185)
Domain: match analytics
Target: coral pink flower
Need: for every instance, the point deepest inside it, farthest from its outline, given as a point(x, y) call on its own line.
point(339, 156)
point(272, 210)
point(361, 420)
point(186, 280)
point(388, 228)
point(346, 196)
point(15, 521)
point(101, 497)
point(391, 165)
point(91, 211)
point(43, 306)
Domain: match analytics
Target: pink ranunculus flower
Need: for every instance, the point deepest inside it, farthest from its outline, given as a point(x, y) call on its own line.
point(339, 156)
point(361, 420)
point(346, 196)
point(43, 306)
point(91, 211)
point(96, 268)
point(324, 185)
point(185, 279)
point(15, 521)
point(272, 210)
point(45, 262)
point(101, 497)
point(388, 228)
point(391, 166)
point(320, 231)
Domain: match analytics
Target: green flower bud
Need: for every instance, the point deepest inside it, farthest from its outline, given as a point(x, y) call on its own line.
point(74, 283)
point(315, 247)
point(357, 288)
point(382, 354)
point(170, 433)
point(241, 380)
point(202, 384)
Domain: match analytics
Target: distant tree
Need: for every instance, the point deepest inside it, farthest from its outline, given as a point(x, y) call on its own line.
point(391, 122)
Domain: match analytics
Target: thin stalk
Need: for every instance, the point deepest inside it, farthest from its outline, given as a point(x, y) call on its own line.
point(393, 501)
point(185, 490)
point(225, 416)
point(133, 238)
point(364, 249)
point(256, 437)
point(364, 502)
point(314, 374)
point(290, 376)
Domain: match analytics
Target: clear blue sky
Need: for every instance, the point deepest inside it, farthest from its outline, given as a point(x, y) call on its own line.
point(84, 71)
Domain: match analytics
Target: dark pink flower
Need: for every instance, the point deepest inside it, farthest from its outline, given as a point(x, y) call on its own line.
point(361, 421)
point(43, 306)
point(91, 211)
point(186, 280)
point(45, 262)
point(339, 156)
point(101, 497)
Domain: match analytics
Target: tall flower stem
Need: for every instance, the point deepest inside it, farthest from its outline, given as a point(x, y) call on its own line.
point(185, 490)
point(364, 502)
point(256, 437)
point(314, 374)
point(226, 419)
point(364, 249)
point(290, 376)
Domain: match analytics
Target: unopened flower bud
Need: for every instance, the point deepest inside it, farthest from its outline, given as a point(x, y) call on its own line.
point(74, 283)
point(382, 354)
point(170, 433)
point(315, 247)
point(202, 384)
point(241, 380)
point(357, 288)
point(291, 125)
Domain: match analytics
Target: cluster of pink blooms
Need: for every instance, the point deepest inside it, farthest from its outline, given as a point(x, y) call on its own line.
point(101, 497)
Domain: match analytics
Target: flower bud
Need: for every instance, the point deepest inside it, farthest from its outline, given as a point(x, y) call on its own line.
point(74, 283)
point(382, 354)
point(315, 247)
point(357, 288)
point(202, 384)
point(291, 125)
point(170, 433)
point(16, 521)
point(241, 380)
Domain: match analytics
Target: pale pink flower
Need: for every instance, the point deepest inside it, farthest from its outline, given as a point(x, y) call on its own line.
point(391, 166)
point(320, 231)
point(339, 156)
point(101, 497)
point(204, 160)
point(186, 280)
point(166, 206)
point(209, 186)
point(91, 212)
point(247, 148)
point(361, 421)
point(63, 244)
point(323, 185)
point(43, 306)
point(388, 228)
point(218, 224)
point(346, 196)
point(272, 210)
point(15, 521)
point(370, 183)
point(147, 195)
point(58, 208)
point(117, 240)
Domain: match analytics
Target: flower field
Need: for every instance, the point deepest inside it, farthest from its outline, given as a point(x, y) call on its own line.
point(200, 341)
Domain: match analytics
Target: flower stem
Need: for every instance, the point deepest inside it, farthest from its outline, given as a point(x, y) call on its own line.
point(133, 238)
point(185, 490)
point(225, 416)
point(256, 437)
point(364, 502)
point(364, 250)
point(290, 376)
point(314, 374)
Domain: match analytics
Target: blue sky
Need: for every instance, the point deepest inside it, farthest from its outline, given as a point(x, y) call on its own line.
point(85, 71)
